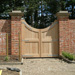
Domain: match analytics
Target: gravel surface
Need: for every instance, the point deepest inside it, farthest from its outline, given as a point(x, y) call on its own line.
point(8, 72)
point(44, 66)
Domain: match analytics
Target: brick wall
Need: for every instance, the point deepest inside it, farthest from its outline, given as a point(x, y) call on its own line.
point(66, 33)
point(5, 27)
point(2, 43)
point(13, 27)
point(63, 34)
point(72, 36)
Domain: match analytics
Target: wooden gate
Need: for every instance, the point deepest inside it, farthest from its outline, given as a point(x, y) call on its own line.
point(39, 42)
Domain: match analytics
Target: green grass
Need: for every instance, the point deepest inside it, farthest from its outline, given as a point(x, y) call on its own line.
point(68, 55)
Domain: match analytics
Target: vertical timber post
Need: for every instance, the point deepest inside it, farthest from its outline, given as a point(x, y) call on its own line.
point(19, 48)
point(7, 44)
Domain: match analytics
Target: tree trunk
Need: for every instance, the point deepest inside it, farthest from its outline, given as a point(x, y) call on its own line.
point(41, 9)
point(72, 10)
point(36, 17)
point(41, 26)
point(32, 20)
point(14, 5)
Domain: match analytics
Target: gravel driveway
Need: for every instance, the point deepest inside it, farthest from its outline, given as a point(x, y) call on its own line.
point(44, 66)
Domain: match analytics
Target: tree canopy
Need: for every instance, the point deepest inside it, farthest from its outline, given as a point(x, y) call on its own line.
point(37, 13)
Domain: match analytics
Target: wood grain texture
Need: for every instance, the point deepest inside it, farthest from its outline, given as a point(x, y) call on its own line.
point(39, 42)
point(49, 41)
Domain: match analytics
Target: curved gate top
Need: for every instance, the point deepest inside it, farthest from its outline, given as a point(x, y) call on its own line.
point(39, 42)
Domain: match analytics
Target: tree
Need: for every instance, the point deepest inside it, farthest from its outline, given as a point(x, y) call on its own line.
point(70, 7)
point(37, 13)
point(9, 5)
point(32, 8)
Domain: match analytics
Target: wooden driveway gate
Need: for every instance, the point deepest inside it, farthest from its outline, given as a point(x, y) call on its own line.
point(39, 42)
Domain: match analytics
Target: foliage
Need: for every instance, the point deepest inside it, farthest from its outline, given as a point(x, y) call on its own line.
point(68, 55)
point(6, 58)
point(37, 13)
point(70, 6)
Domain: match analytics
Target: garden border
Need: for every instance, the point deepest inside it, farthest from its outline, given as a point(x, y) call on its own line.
point(67, 60)
point(12, 63)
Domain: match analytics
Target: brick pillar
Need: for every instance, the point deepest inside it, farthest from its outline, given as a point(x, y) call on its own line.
point(63, 18)
point(15, 29)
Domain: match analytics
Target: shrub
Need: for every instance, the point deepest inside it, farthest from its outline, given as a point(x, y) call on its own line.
point(68, 55)
point(6, 58)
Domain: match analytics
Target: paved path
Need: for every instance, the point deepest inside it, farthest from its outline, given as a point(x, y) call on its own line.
point(45, 66)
